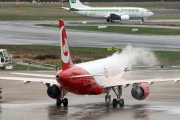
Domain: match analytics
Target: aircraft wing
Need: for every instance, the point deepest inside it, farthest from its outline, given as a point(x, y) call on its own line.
point(155, 67)
point(36, 75)
point(27, 80)
point(114, 16)
point(111, 15)
point(116, 81)
point(46, 78)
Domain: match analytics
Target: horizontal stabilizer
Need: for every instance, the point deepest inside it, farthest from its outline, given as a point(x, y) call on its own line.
point(65, 8)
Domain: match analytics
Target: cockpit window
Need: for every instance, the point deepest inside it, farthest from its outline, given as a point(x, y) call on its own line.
point(148, 11)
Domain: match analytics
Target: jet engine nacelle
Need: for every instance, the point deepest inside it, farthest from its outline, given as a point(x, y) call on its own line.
point(141, 92)
point(124, 17)
point(54, 91)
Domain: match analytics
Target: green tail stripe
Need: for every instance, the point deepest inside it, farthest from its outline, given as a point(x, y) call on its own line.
point(73, 1)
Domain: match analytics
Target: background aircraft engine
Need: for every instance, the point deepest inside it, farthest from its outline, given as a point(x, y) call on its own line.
point(124, 17)
point(141, 92)
point(54, 91)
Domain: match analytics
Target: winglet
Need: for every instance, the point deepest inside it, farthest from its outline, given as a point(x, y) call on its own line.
point(126, 69)
point(65, 52)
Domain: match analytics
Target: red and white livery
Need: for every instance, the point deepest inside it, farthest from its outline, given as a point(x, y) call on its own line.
point(88, 78)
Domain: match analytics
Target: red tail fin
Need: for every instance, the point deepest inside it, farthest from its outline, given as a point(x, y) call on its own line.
point(65, 53)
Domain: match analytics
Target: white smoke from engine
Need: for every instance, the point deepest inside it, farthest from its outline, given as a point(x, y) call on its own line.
point(130, 57)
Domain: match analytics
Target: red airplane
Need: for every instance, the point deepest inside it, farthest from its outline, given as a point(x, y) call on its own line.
point(88, 78)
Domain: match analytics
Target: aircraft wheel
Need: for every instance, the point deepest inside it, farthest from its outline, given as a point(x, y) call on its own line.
point(108, 20)
point(65, 102)
point(58, 102)
point(121, 102)
point(115, 102)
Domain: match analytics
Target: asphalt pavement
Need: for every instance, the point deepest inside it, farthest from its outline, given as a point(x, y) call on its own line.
point(26, 33)
point(31, 102)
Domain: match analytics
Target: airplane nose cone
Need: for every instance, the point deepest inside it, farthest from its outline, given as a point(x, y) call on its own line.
point(152, 13)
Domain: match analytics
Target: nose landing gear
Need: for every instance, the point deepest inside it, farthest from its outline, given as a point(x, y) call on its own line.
point(110, 19)
point(142, 20)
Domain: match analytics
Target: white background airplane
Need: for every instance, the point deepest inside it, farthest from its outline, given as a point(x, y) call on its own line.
point(88, 78)
point(110, 13)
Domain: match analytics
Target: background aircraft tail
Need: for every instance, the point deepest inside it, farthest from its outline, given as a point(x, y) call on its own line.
point(65, 52)
point(77, 4)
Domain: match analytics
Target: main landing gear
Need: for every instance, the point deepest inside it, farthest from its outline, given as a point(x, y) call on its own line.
point(118, 92)
point(110, 19)
point(107, 97)
point(60, 101)
point(142, 20)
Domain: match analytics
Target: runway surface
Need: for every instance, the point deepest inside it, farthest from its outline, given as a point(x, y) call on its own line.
point(25, 33)
point(30, 102)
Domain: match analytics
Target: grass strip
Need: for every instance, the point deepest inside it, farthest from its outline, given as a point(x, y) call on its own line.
point(25, 67)
point(79, 54)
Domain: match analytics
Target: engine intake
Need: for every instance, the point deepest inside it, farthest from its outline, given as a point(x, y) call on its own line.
point(124, 17)
point(54, 92)
point(141, 92)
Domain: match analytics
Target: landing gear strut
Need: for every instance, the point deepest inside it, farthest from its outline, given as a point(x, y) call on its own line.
point(107, 97)
point(142, 19)
point(118, 92)
point(108, 20)
point(62, 100)
point(112, 20)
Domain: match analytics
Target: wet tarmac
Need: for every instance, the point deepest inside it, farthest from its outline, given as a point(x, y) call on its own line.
point(30, 102)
